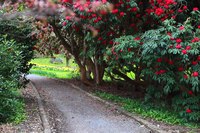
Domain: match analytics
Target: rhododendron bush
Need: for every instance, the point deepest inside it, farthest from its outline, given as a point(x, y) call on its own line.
point(156, 40)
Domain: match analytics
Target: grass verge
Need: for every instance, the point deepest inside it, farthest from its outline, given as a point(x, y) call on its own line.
point(147, 110)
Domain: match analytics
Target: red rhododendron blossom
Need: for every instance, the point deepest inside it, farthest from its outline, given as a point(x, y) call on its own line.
point(159, 11)
point(115, 11)
point(195, 74)
point(188, 111)
point(195, 9)
point(185, 76)
point(178, 40)
point(185, 7)
point(169, 2)
point(181, 28)
point(137, 38)
point(169, 34)
point(194, 62)
point(178, 46)
point(198, 26)
point(188, 47)
point(190, 92)
point(64, 23)
point(134, 9)
point(160, 72)
point(122, 14)
point(104, 1)
point(170, 62)
point(196, 39)
point(159, 60)
point(129, 49)
point(67, 17)
point(180, 69)
point(198, 58)
point(184, 51)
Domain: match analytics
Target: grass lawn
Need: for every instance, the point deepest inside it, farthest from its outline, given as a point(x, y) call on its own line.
point(43, 67)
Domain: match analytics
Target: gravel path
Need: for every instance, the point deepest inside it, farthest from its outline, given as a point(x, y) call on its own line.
point(83, 114)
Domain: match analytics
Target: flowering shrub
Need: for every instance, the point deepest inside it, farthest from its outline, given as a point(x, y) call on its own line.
point(157, 40)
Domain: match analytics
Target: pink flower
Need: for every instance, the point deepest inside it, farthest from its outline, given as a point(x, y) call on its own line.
point(64, 23)
point(184, 51)
point(195, 74)
point(188, 111)
point(67, 17)
point(115, 11)
point(195, 9)
point(178, 40)
point(104, 1)
point(196, 39)
point(122, 14)
point(182, 28)
point(185, 7)
point(159, 11)
point(178, 46)
point(188, 47)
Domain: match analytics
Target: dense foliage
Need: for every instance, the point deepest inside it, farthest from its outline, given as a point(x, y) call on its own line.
point(156, 40)
point(16, 50)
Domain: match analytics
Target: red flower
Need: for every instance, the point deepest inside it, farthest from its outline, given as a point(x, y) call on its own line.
point(100, 38)
point(181, 28)
point(170, 62)
point(129, 49)
point(190, 92)
point(134, 9)
point(195, 74)
point(122, 14)
point(188, 111)
point(178, 46)
point(111, 42)
point(184, 51)
point(196, 39)
point(198, 26)
point(180, 69)
point(169, 2)
point(160, 72)
point(159, 11)
point(169, 34)
point(159, 60)
point(115, 11)
point(178, 40)
point(137, 38)
point(67, 17)
point(195, 9)
point(185, 7)
point(185, 76)
point(198, 58)
point(64, 23)
point(188, 47)
point(194, 62)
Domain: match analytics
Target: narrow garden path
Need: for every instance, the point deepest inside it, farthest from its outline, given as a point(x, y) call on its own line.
point(83, 114)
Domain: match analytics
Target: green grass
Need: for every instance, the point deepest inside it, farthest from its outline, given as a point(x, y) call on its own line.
point(147, 110)
point(45, 68)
